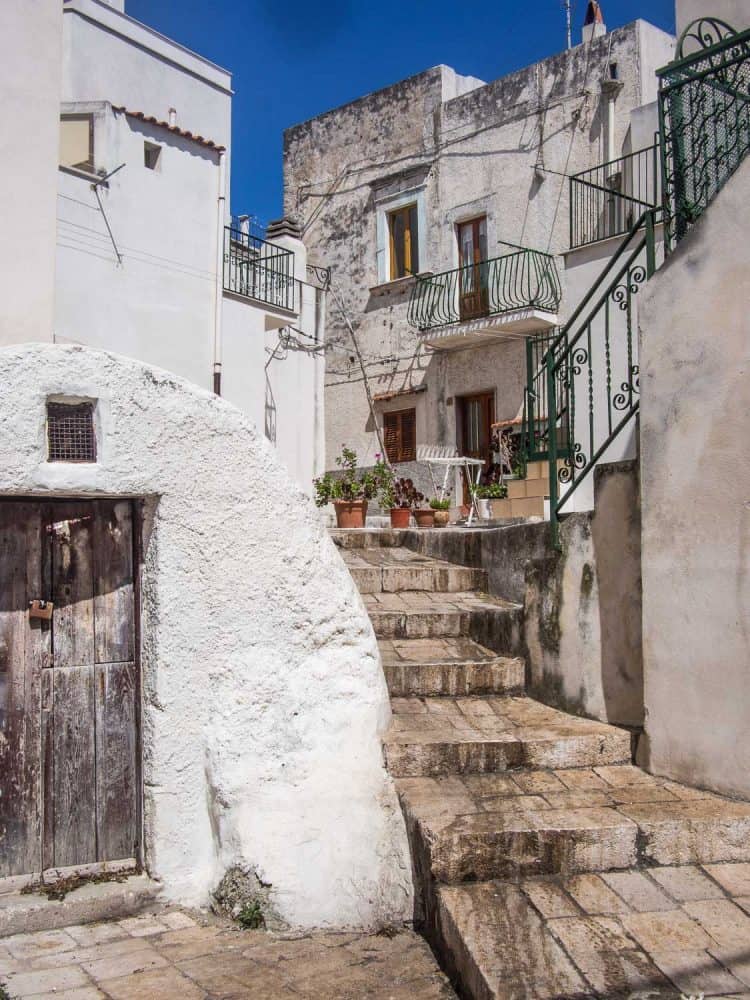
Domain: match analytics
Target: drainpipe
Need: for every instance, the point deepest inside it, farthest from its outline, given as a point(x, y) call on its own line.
point(219, 298)
point(610, 90)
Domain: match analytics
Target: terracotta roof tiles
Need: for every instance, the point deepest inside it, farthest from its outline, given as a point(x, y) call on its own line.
point(175, 129)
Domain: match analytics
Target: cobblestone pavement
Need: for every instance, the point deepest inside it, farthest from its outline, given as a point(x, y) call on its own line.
point(170, 955)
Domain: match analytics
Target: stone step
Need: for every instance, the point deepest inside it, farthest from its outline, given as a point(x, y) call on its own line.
point(443, 736)
point(26, 911)
point(393, 570)
point(368, 538)
point(658, 932)
point(566, 822)
point(448, 667)
point(489, 620)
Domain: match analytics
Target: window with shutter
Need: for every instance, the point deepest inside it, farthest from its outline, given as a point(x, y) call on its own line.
point(404, 243)
point(400, 435)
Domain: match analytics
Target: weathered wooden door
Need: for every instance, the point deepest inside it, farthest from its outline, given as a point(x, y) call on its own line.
point(68, 686)
point(473, 274)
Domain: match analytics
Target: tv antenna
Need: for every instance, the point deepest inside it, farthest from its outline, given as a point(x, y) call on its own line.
point(567, 6)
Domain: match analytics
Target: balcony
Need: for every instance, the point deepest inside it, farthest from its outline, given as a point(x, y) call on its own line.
point(257, 269)
point(515, 294)
point(606, 200)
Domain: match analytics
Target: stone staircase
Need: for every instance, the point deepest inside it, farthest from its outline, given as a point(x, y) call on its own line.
point(545, 863)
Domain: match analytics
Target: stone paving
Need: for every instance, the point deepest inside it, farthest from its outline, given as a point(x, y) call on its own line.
point(173, 955)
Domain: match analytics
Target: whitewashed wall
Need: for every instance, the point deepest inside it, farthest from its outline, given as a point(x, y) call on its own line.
point(263, 696)
point(157, 303)
point(30, 61)
point(695, 496)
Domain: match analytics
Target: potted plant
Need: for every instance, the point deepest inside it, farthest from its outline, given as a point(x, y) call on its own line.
point(424, 516)
point(350, 491)
point(483, 495)
point(400, 496)
point(442, 511)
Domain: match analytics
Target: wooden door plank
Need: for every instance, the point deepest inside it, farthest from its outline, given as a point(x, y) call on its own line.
point(72, 534)
point(113, 600)
point(20, 668)
point(116, 808)
point(74, 783)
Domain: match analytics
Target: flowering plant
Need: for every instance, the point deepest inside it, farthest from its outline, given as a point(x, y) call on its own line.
point(350, 484)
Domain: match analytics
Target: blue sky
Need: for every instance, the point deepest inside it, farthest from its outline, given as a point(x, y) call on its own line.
point(292, 60)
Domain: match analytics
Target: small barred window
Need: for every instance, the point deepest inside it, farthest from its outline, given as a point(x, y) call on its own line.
point(70, 432)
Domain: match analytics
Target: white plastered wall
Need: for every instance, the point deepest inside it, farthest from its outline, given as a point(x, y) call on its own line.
point(30, 61)
point(263, 696)
point(695, 496)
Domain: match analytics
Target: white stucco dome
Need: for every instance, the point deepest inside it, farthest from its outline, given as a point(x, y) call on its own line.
point(263, 696)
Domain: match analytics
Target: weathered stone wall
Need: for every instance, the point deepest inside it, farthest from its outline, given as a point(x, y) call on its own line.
point(470, 149)
point(695, 471)
point(263, 696)
point(582, 606)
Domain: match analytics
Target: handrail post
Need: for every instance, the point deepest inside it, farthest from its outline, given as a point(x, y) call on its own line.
point(552, 445)
point(650, 246)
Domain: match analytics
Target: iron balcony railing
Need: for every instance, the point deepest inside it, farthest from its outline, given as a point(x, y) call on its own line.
point(704, 119)
point(606, 200)
point(522, 279)
point(258, 269)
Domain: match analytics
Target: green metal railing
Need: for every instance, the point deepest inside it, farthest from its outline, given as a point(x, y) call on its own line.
point(704, 120)
point(591, 369)
point(522, 279)
point(533, 442)
point(606, 200)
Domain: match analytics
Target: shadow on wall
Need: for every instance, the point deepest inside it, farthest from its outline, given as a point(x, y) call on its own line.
point(582, 607)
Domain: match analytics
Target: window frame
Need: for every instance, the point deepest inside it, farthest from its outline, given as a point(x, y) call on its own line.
point(152, 149)
point(404, 453)
point(384, 206)
point(409, 216)
point(89, 164)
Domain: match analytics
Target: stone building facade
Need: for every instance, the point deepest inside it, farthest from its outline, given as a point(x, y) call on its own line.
point(453, 150)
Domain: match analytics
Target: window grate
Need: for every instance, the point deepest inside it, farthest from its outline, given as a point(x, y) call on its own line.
point(70, 432)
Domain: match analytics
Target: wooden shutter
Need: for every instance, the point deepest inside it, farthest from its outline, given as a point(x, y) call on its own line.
point(400, 435)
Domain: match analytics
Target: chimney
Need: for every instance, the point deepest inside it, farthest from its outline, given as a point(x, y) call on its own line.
point(593, 23)
point(173, 117)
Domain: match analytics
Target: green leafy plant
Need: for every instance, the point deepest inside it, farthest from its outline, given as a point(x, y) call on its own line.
point(4, 995)
point(437, 504)
point(351, 484)
point(491, 491)
point(251, 916)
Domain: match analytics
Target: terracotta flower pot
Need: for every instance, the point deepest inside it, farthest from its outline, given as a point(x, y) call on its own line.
point(400, 517)
point(425, 518)
point(350, 513)
point(442, 518)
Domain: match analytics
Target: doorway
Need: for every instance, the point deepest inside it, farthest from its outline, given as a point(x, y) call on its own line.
point(476, 415)
point(69, 685)
point(473, 275)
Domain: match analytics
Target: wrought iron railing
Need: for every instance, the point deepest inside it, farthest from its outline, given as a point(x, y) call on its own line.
point(606, 200)
point(522, 279)
point(591, 370)
point(534, 438)
point(704, 119)
point(258, 269)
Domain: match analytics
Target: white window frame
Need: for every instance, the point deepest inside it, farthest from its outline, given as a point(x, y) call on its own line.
point(383, 209)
